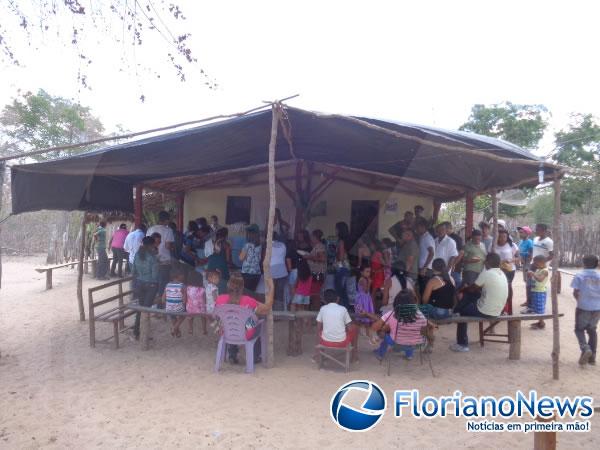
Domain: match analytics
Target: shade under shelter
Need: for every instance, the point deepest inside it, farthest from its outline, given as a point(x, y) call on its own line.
point(439, 164)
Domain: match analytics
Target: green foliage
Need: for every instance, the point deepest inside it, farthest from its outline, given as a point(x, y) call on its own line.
point(579, 146)
point(523, 125)
point(541, 208)
point(38, 121)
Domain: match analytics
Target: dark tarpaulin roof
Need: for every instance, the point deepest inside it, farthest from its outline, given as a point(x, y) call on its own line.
point(104, 179)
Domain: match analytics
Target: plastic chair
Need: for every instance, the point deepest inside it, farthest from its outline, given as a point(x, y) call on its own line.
point(233, 320)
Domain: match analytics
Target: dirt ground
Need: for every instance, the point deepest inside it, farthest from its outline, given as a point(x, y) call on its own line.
point(57, 392)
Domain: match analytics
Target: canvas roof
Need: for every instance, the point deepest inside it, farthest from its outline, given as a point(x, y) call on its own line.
point(438, 163)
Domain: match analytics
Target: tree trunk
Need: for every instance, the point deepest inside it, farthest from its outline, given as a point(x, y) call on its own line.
point(56, 246)
point(269, 286)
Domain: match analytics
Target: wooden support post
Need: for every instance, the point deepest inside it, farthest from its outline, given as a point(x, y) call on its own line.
point(91, 320)
point(139, 193)
point(48, 279)
point(437, 205)
point(94, 264)
point(544, 440)
point(299, 199)
point(180, 205)
point(122, 321)
point(469, 213)
point(145, 330)
point(555, 281)
point(269, 285)
point(514, 339)
point(80, 269)
point(116, 333)
point(495, 220)
point(481, 334)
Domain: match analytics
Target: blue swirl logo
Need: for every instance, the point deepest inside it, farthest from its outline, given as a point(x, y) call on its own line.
point(358, 419)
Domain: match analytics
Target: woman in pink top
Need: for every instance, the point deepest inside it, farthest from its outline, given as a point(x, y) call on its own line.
point(116, 244)
point(235, 296)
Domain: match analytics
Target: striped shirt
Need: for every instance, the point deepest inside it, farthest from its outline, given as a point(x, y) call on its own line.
point(406, 333)
point(174, 293)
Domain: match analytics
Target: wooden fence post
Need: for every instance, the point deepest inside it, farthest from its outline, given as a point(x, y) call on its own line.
point(555, 278)
point(80, 270)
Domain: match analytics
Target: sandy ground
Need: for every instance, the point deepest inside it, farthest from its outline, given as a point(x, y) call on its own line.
point(56, 391)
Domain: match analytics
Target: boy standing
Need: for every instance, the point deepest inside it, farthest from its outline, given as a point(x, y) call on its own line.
point(586, 290)
point(538, 276)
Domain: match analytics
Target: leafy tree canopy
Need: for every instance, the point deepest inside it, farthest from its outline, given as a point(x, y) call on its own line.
point(523, 125)
point(579, 146)
point(38, 121)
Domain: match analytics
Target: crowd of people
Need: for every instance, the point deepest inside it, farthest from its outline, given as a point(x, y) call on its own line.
point(391, 287)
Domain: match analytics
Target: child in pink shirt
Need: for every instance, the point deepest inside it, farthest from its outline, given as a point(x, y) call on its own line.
point(196, 300)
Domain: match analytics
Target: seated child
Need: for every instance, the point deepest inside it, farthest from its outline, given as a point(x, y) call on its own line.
point(196, 300)
point(211, 289)
point(303, 286)
point(539, 279)
point(334, 325)
point(175, 298)
point(402, 326)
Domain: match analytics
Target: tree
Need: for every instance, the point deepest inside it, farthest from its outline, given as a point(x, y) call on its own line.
point(523, 125)
point(541, 207)
point(38, 121)
point(82, 25)
point(578, 146)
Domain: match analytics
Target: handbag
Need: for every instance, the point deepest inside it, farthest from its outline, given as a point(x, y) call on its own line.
point(318, 277)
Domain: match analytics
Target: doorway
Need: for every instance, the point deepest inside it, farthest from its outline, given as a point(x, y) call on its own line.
point(364, 218)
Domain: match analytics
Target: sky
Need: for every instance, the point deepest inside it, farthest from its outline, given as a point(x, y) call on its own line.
point(423, 62)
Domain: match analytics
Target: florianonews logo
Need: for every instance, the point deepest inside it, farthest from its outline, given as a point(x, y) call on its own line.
point(358, 419)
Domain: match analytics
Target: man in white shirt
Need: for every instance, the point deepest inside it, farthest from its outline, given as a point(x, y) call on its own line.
point(542, 244)
point(133, 241)
point(445, 246)
point(493, 285)
point(334, 325)
point(165, 249)
point(426, 252)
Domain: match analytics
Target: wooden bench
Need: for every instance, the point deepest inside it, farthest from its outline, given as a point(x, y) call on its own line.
point(513, 335)
point(514, 322)
point(116, 315)
point(146, 312)
point(324, 353)
point(48, 269)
